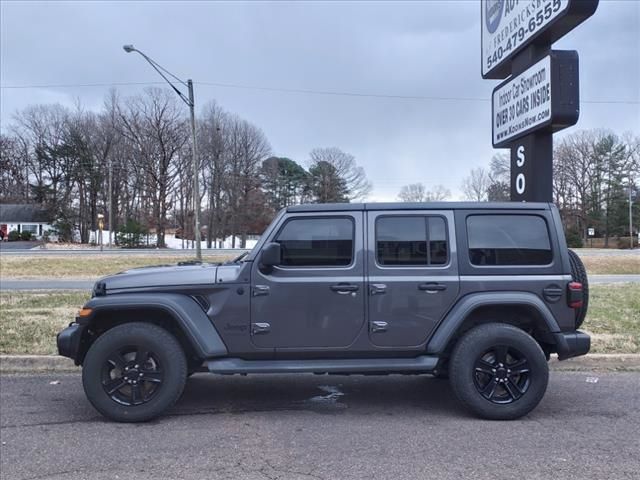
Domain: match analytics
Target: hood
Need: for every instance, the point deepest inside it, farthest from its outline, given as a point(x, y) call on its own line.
point(161, 276)
point(198, 275)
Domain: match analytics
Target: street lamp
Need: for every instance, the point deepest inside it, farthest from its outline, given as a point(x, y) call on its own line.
point(190, 102)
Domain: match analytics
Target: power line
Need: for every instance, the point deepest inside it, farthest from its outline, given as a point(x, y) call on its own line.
point(303, 91)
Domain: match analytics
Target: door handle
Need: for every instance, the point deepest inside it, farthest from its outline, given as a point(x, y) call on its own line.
point(377, 289)
point(378, 326)
point(260, 327)
point(432, 287)
point(344, 288)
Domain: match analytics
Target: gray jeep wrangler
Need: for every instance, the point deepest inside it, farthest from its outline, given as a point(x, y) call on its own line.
point(481, 293)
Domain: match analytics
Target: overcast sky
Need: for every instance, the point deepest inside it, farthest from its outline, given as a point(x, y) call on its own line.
point(426, 49)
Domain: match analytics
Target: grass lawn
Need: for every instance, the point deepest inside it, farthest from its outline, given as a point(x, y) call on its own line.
point(612, 264)
point(29, 321)
point(613, 318)
point(86, 266)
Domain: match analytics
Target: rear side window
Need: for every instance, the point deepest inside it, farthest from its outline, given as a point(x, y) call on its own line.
point(508, 240)
point(411, 240)
point(317, 242)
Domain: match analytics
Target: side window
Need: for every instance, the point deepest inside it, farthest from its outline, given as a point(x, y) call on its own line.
point(411, 240)
point(317, 242)
point(508, 240)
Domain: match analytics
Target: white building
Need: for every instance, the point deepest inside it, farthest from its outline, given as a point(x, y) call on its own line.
point(24, 218)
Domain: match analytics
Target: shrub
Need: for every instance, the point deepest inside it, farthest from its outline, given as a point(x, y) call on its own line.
point(574, 240)
point(26, 236)
point(14, 236)
point(63, 229)
point(130, 235)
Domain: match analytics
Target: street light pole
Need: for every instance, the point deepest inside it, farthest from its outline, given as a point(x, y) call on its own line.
point(190, 102)
point(196, 183)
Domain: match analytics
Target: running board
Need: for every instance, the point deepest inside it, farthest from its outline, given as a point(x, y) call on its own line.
point(421, 364)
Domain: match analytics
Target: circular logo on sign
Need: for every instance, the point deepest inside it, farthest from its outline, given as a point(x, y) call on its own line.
point(493, 14)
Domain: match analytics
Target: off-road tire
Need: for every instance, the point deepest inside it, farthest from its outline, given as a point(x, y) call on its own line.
point(157, 340)
point(579, 274)
point(462, 370)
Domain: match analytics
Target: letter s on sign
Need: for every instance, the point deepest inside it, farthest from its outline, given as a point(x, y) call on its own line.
point(520, 154)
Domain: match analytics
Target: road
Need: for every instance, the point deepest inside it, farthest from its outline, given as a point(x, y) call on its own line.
point(319, 427)
point(81, 284)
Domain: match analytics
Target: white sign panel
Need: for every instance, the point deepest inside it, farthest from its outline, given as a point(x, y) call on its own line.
point(592, 231)
point(523, 103)
point(508, 25)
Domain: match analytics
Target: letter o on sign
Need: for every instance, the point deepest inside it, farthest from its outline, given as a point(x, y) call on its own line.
point(520, 183)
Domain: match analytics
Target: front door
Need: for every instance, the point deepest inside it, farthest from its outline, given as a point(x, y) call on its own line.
point(412, 275)
point(315, 298)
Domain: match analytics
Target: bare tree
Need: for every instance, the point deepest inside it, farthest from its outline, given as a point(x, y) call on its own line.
point(155, 125)
point(439, 193)
point(12, 171)
point(476, 184)
point(414, 192)
point(354, 176)
point(246, 149)
point(213, 127)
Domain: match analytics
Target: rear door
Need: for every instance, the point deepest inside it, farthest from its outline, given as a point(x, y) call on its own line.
point(412, 274)
point(315, 298)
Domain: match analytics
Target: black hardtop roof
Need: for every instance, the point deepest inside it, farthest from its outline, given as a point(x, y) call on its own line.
point(349, 207)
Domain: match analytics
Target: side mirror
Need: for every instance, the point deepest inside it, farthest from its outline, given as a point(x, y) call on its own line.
point(271, 255)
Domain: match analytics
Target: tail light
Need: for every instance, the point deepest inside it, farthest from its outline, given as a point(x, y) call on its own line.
point(574, 294)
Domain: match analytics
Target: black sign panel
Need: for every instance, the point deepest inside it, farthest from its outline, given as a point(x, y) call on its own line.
point(545, 97)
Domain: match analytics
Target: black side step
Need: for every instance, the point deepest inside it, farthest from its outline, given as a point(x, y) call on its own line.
point(421, 364)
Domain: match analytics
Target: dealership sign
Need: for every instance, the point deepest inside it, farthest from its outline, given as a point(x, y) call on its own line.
point(508, 26)
point(544, 96)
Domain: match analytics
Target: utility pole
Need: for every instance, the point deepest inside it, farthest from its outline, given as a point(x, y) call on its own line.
point(196, 183)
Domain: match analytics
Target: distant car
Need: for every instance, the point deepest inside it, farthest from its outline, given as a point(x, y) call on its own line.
point(482, 293)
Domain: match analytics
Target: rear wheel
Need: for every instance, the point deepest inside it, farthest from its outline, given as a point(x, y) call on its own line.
point(498, 371)
point(134, 372)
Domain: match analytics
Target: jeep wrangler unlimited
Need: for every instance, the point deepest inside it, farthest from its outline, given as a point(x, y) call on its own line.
point(481, 293)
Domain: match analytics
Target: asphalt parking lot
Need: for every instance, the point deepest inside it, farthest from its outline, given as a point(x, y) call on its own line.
point(320, 427)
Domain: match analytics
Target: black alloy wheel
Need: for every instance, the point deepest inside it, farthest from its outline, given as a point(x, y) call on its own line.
point(502, 374)
point(132, 375)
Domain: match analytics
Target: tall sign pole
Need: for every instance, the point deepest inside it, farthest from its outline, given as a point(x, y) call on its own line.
point(540, 95)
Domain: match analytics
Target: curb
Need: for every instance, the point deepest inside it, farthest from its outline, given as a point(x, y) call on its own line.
point(36, 364)
point(629, 362)
point(593, 362)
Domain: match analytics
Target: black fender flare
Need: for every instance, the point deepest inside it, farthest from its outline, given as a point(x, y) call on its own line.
point(189, 316)
point(458, 314)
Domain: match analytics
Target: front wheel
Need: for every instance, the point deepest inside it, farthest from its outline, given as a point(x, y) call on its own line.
point(134, 372)
point(498, 371)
